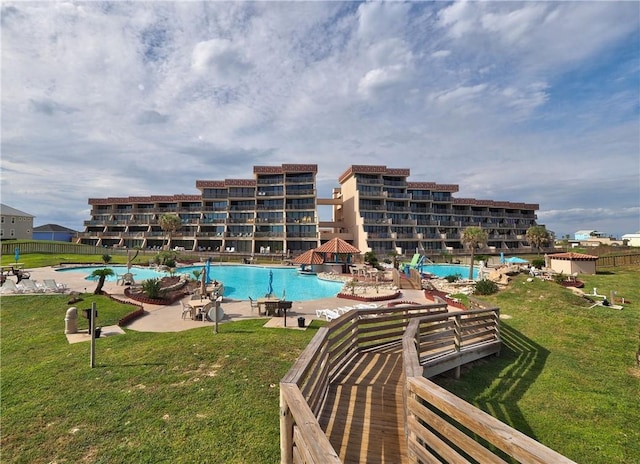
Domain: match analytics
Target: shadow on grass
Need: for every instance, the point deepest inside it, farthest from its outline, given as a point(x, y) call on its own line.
point(497, 384)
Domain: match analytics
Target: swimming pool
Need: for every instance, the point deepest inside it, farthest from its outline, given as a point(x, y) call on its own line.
point(444, 270)
point(240, 282)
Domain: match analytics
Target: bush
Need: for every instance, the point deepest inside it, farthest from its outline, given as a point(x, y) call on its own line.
point(106, 258)
point(452, 278)
point(486, 287)
point(153, 288)
point(538, 263)
point(559, 278)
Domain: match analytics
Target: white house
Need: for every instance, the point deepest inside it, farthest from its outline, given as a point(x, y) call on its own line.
point(632, 239)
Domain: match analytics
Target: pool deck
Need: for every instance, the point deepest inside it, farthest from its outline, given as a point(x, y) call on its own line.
point(168, 318)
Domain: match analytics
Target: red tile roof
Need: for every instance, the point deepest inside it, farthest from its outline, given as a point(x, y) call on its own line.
point(337, 245)
point(309, 257)
point(571, 256)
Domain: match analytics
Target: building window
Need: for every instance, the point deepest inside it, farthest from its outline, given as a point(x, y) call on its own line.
point(13, 220)
point(12, 233)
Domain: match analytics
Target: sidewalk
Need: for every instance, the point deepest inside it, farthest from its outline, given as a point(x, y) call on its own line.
point(169, 318)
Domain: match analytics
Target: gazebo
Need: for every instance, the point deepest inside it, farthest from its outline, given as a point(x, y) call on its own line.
point(338, 252)
point(310, 258)
point(571, 263)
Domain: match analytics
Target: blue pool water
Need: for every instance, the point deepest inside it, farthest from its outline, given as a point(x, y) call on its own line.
point(241, 282)
point(444, 270)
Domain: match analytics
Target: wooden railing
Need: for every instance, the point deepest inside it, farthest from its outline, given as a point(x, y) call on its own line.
point(439, 426)
point(444, 428)
point(304, 388)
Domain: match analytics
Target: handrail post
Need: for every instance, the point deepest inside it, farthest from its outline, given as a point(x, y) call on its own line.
point(286, 431)
point(457, 340)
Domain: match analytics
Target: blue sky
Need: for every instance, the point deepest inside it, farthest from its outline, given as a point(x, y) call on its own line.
point(534, 102)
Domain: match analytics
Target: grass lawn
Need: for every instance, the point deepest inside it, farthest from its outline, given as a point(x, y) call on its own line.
point(566, 376)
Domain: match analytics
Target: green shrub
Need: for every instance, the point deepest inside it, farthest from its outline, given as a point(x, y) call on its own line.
point(106, 259)
point(452, 278)
point(538, 263)
point(559, 278)
point(153, 288)
point(486, 287)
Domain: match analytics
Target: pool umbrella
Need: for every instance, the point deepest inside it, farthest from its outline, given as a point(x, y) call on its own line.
point(203, 282)
point(516, 260)
point(501, 257)
point(17, 255)
point(208, 270)
point(270, 288)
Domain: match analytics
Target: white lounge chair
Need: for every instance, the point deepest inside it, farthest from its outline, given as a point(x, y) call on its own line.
point(187, 310)
point(330, 314)
point(30, 286)
point(9, 286)
point(50, 285)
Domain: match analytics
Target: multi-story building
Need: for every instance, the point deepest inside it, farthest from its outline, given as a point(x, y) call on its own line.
point(15, 224)
point(375, 208)
point(381, 211)
point(271, 213)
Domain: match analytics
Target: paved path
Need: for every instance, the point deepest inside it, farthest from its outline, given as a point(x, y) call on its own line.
point(169, 318)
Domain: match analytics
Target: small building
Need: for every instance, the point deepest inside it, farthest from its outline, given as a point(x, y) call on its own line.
point(15, 224)
point(571, 263)
point(632, 239)
point(53, 232)
point(587, 234)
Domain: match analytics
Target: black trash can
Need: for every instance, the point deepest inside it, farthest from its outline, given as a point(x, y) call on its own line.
point(98, 331)
point(301, 322)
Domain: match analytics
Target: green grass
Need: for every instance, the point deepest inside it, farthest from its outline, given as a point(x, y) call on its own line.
point(153, 397)
point(566, 376)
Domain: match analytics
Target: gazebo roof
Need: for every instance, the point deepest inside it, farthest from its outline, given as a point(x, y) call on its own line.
point(571, 256)
point(338, 246)
point(309, 257)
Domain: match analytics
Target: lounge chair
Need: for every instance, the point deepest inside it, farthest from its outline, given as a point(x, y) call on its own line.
point(606, 304)
point(30, 286)
point(330, 314)
point(9, 286)
point(50, 285)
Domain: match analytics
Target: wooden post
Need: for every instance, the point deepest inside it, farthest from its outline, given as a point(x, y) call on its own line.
point(458, 342)
point(286, 431)
point(92, 331)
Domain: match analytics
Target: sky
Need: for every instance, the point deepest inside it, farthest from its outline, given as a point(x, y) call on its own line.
point(535, 102)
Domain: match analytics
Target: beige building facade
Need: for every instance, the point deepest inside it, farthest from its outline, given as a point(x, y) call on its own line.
point(374, 208)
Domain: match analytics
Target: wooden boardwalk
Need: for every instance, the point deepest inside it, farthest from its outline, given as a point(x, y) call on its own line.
point(363, 416)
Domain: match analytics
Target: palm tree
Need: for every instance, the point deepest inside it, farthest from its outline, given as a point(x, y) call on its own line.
point(102, 275)
point(538, 236)
point(473, 237)
point(169, 223)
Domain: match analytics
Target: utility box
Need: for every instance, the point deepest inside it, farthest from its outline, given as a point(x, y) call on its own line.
point(71, 321)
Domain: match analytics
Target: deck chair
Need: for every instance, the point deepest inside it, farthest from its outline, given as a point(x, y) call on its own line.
point(254, 305)
point(30, 286)
point(610, 305)
point(9, 286)
point(330, 315)
point(50, 285)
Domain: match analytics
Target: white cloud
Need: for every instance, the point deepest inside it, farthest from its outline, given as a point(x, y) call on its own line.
point(117, 99)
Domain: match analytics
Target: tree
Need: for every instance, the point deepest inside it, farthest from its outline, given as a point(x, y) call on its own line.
point(473, 237)
point(538, 236)
point(102, 275)
point(169, 223)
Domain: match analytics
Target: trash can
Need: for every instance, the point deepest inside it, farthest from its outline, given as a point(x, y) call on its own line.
point(98, 331)
point(301, 322)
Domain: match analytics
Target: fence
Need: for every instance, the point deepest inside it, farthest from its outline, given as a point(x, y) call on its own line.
point(618, 260)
